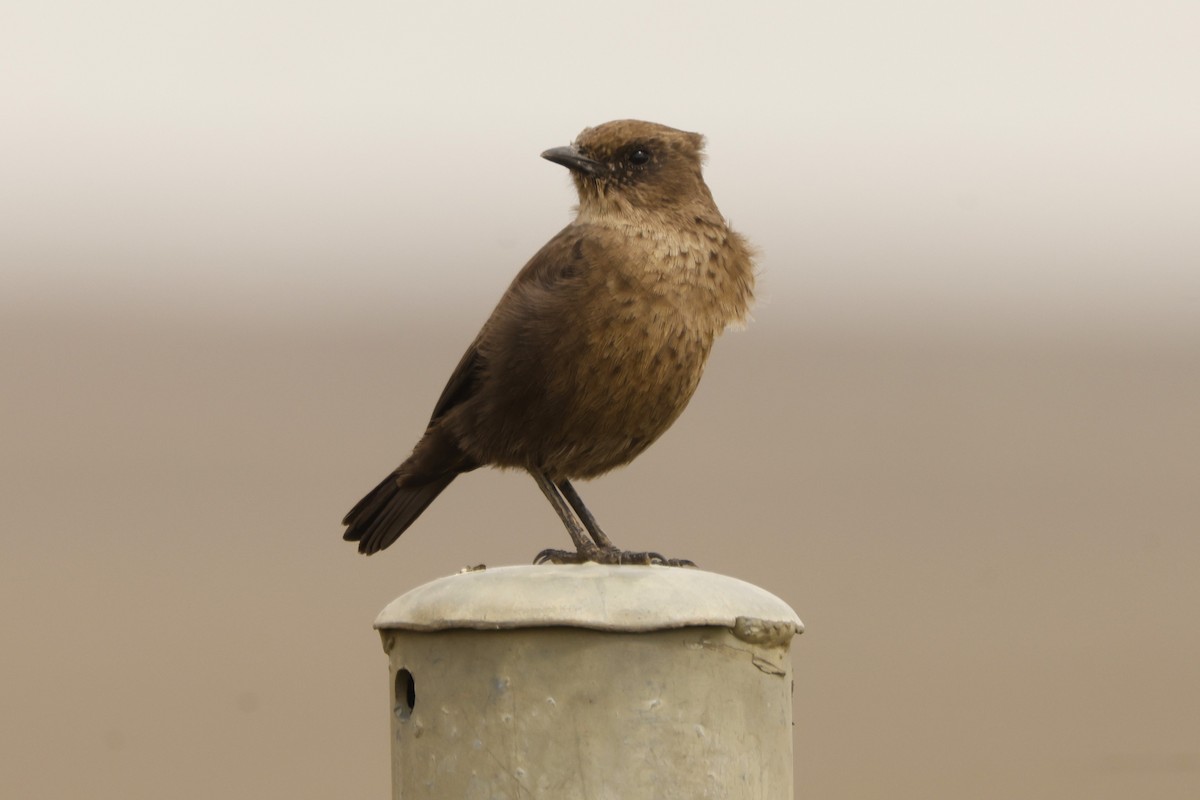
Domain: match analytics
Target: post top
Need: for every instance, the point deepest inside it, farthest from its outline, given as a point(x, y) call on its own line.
point(600, 597)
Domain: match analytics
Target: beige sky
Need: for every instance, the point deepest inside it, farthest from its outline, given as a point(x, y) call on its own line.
point(966, 162)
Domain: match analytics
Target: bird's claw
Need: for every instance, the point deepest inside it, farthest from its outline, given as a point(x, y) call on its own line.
point(552, 556)
point(608, 555)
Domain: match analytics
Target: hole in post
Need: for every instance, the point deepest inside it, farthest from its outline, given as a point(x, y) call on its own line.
point(405, 696)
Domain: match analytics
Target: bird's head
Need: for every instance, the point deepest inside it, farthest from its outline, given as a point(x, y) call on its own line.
point(634, 166)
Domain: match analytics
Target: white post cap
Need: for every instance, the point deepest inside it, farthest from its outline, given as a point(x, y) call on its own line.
point(594, 596)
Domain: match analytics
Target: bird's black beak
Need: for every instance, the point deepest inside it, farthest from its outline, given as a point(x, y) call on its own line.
point(572, 159)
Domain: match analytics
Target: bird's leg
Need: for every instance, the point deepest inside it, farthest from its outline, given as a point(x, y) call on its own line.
point(602, 551)
point(585, 516)
point(602, 540)
point(582, 545)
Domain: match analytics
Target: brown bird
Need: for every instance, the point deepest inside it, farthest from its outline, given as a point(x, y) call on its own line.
point(596, 346)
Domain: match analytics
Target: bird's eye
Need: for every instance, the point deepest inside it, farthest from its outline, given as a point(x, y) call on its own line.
point(639, 157)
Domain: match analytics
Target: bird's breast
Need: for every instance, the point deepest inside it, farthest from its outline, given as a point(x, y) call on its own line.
point(633, 369)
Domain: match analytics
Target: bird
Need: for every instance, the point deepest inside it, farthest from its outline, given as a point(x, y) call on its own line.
point(596, 346)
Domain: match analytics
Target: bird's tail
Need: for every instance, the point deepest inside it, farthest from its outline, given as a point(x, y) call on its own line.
point(386, 512)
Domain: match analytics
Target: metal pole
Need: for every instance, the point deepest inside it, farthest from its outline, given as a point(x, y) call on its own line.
point(590, 681)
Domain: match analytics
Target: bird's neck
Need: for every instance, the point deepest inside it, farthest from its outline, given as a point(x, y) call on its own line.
point(688, 252)
point(659, 223)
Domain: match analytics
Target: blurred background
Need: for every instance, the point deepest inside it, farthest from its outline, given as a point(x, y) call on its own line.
point(243, 245)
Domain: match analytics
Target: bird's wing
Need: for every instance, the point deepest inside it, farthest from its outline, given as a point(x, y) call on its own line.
point(462, 381)
point(559, 263)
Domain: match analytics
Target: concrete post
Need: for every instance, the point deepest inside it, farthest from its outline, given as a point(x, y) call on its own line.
point(590, 681)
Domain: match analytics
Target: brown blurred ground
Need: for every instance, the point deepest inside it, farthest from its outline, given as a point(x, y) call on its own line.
point(993, 543)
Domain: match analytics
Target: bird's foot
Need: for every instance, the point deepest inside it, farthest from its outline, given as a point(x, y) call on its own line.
point(608, 555)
